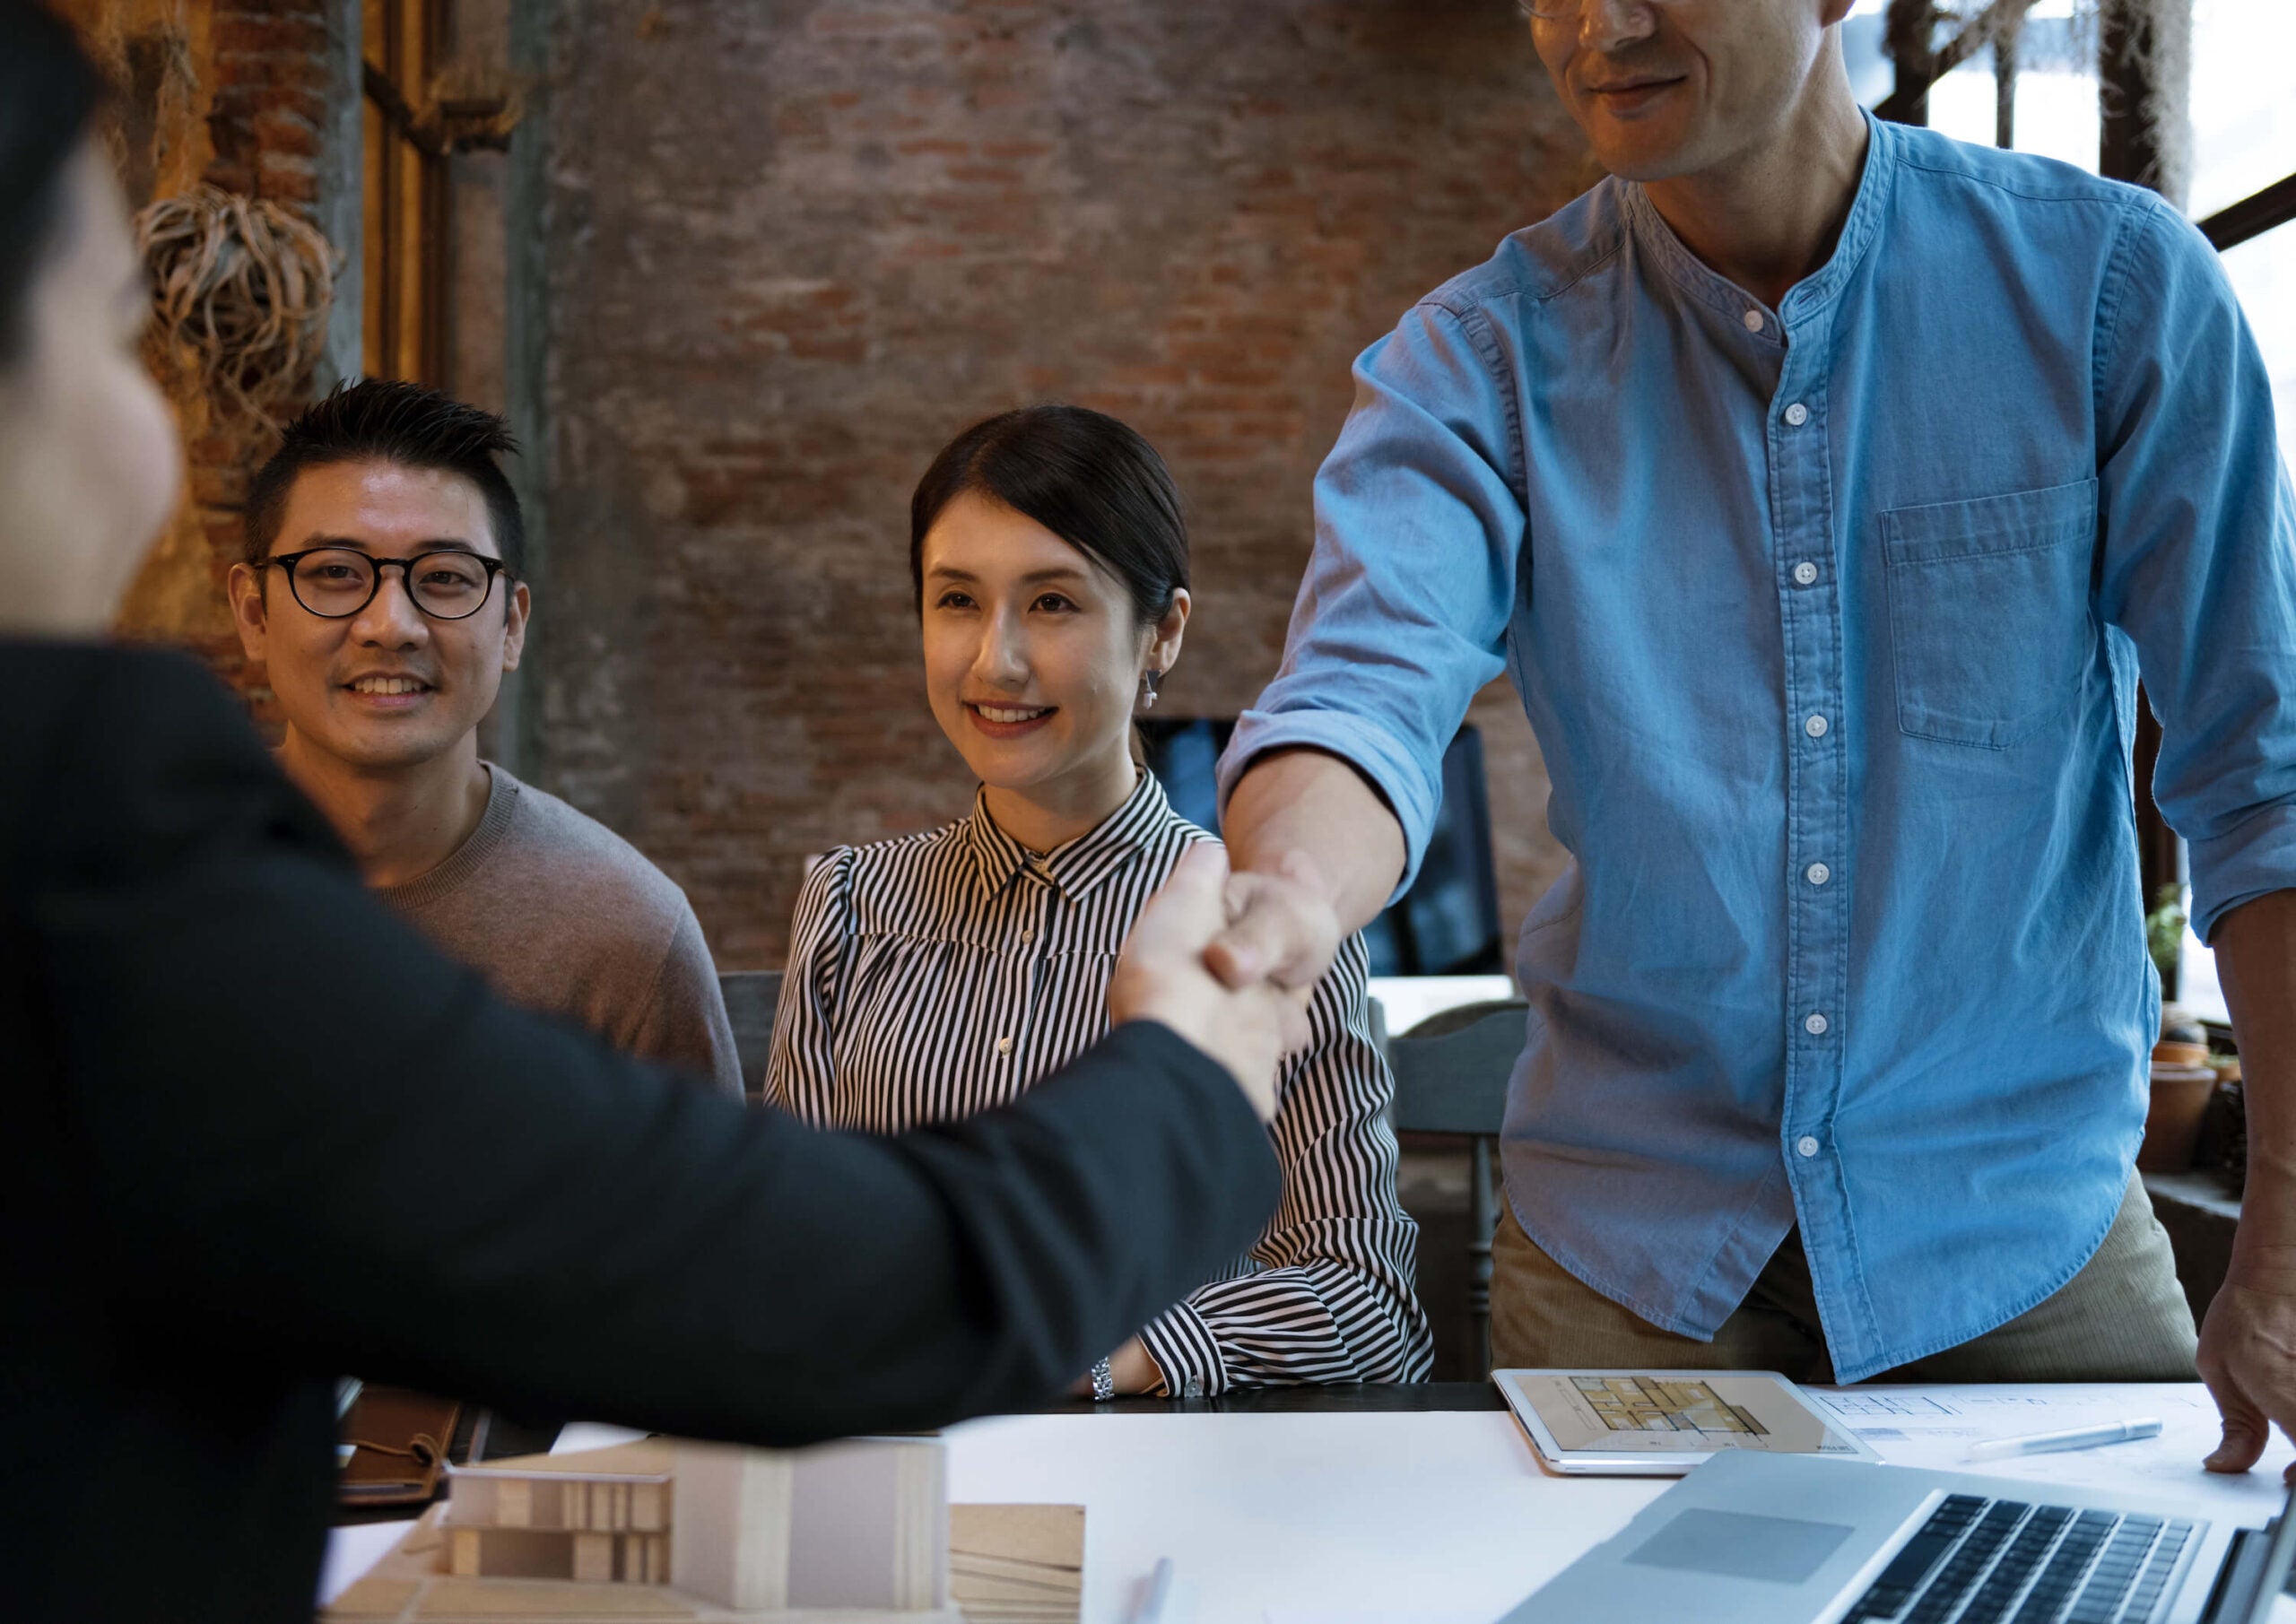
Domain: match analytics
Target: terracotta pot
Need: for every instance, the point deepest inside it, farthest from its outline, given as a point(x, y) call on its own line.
point(2172, 1127)
point(2168, 1052)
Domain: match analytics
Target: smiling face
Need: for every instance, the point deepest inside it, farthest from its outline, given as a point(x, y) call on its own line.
point(1679, 87)
point(388, 688)
point(1034, 655)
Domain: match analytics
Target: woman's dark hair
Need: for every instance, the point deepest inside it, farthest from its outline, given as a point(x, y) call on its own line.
point(48, 94)
point(1082, 475)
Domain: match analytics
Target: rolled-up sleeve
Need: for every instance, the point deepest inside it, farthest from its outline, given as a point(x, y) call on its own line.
point(2199, 556)
point(1403, 614)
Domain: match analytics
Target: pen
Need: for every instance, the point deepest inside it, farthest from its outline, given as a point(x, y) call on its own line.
point(1150, 1608)
point(2073, 1438)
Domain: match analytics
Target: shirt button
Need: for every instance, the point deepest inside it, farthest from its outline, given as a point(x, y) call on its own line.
point(1027, 936)
point(1806, 1145)
point(1818, 873)
point(1816, 1026)
point(1005, 1045)
point(1804, 573)
point(1815, 727)
point(1754, 321)
point(1797, 414)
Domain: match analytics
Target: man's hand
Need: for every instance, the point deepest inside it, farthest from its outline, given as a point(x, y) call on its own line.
point(1282, 928)
point(1318, 851)
point(2247, 1346)
point(1162, 977)
point(2247, 1355)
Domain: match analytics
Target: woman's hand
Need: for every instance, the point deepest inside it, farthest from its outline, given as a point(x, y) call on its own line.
point(1129, 1368)
point(1162, 977)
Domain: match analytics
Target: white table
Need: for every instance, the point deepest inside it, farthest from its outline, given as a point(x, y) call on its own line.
point(1440, 1518)
point(1427, 1517)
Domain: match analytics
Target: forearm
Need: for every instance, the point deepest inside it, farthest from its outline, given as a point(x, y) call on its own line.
point(1308, 800)
point(2255, 959)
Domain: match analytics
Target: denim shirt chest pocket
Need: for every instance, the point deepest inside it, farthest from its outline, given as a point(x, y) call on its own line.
point(1989, 621)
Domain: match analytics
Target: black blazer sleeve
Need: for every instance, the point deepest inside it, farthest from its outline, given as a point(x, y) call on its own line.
point(314, 1138)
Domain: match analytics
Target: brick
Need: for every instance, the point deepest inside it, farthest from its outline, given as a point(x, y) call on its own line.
point(866, 224)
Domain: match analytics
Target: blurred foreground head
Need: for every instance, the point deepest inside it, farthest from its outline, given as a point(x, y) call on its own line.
point(88, 455)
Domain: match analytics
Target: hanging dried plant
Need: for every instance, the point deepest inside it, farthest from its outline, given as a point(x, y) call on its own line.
point(242, 289)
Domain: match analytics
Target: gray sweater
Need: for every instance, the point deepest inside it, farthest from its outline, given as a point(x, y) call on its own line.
point(561, 915)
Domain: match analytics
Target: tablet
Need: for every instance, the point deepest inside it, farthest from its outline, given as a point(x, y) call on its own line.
point(1661, 1423)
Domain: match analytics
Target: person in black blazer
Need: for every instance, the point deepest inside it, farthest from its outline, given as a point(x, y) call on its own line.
point(258, 1133)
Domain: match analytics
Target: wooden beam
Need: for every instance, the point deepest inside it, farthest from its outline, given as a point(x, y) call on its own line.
point(2145, 94)
point(2252, 216)
point(2143, 88)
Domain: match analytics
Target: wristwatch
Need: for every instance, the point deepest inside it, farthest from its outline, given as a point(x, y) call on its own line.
point(1103, 1381)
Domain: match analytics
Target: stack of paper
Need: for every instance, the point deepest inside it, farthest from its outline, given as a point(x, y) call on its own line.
point(1017, 1564)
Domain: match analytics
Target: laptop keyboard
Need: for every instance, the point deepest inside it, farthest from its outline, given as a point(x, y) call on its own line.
point(1980, 1561)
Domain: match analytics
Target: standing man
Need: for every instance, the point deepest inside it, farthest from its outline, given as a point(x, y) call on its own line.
point(384, 589)
point(1824, 485)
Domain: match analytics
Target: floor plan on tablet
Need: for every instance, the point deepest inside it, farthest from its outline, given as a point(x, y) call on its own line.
point(1644, 1403)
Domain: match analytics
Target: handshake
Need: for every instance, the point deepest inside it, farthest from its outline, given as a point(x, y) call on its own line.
point(1229, 962)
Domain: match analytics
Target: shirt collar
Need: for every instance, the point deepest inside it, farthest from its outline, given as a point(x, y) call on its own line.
point(1078, 868)
point(1814, 292)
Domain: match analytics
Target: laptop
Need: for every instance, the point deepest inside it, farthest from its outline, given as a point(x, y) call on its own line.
point(1750, 1538)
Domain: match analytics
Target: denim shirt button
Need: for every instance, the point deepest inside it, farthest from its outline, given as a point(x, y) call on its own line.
point(1806, 1145)
point(1804, 573)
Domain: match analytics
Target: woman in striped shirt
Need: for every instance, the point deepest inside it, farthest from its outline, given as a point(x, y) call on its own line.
point(941, 975)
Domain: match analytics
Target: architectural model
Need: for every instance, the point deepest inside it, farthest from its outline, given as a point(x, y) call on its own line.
point(656, 1530)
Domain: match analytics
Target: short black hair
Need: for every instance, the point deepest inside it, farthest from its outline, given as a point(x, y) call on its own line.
point(1090, 480)
point(379, 420)
point(48, 95)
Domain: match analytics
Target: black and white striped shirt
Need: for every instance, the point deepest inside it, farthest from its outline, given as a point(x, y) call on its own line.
point(937, 976)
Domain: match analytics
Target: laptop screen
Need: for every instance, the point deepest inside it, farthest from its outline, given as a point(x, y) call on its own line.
point(2273, 1576)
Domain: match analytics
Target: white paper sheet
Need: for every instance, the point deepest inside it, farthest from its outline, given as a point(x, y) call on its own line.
point(352, 1551)
point(1934, 1426)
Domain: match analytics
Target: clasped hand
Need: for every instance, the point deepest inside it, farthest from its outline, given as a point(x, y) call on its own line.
point(1249, 1022)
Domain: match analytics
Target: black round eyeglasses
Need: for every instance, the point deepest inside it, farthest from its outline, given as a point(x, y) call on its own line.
point(335, 582)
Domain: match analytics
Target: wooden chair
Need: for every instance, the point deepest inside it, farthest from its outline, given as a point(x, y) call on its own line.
point(1451, 1075)
point(750, 996)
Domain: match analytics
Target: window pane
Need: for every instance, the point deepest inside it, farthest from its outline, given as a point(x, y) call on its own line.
point(2263, 270)
point(2243, 100)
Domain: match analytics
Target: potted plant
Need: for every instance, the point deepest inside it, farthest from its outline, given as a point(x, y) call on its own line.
point(2182, 1079)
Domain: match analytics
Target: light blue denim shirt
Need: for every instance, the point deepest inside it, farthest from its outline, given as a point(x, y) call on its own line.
point(1829, 620)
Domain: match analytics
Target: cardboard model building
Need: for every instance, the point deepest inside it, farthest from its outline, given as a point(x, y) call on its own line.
point(660, 1529)
point(858, 1532)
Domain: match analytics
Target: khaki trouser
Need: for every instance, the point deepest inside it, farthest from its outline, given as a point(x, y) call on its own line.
point(2122, 1318)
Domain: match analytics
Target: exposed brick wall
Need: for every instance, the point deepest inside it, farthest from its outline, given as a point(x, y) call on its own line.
point(792, 248)
point(234, 95)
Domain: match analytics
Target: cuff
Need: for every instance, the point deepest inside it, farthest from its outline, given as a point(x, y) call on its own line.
point(1413, 788)
point(2253, 858)
point(1186, 1354)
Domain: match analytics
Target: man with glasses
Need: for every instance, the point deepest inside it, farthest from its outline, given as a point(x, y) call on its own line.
point(1825, 485)
point(383, 589)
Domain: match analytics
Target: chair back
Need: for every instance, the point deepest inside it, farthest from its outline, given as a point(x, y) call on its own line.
point(1451, 1075)
point(750, 996)
point(1452, 1069)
